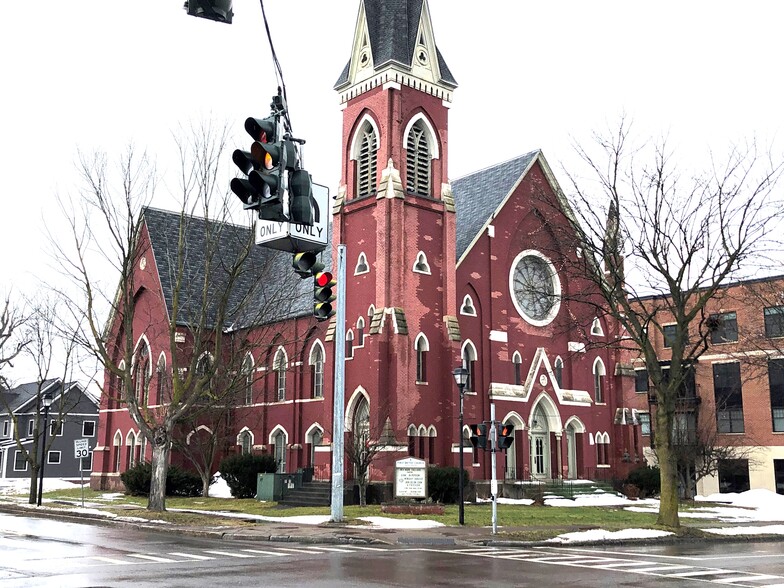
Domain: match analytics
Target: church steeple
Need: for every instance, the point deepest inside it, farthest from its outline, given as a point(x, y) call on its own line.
point(394, 42)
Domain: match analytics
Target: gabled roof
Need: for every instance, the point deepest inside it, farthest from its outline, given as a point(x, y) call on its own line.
point(17, 399)
point(392, 27)
point(479, 194)
point(266, 291)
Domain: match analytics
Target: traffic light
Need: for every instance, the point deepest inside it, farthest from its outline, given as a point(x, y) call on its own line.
point(217, 10)
point(306, 265)
point(301, 198)
point(505, 435)
point(267, 163)
point(323, 283)
point(479, 435)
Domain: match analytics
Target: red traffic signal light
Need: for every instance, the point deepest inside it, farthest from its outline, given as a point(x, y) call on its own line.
point(323, 282)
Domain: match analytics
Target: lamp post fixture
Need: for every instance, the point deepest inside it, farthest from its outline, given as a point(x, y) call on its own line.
point(47, 401)
point(461, 377)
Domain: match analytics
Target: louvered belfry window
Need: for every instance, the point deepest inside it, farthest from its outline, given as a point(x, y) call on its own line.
point(366, 164)
point(418, 162)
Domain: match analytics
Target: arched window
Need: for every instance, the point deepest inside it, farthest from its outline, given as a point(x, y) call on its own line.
point(362, 265)
point(412, 435)
point(602, 448)
point(371, 311)
point(360, 332)
point(117, 443)
point(160, 374)
point(421, 266)
point(316, 362)
point(279, 367)
point(469, 359)
point(517, 362)
point(279, 443)
point(130, 444)
point(422, 347)
point(246, 442)
point(141, 374)
point(204, 370)
point(558, 371)
point(598, 380)
point(367, 161)
point(468, 306)
point(418, 160)
point(247, 377)
point(596, 327)
point(349, 344)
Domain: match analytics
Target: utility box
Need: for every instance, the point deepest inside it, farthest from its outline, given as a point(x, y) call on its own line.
point(269, 487)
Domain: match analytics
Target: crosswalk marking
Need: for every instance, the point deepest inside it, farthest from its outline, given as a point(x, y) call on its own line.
point(755, 578)
point(154, 558)
point(227, 553)
point(262, 552)
point(662, 568)
point(300, 550)
point(190, 555)
point(110, 560)
point(333, 549)
point(624, 564)
point(713, 572)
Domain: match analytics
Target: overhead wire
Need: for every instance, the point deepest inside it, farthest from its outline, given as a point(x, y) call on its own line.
point(278, 69)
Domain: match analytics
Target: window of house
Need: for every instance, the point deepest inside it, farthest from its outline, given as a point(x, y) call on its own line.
point(317, 371)
point(688, 387)
point(723, 327)
point(362, 265)
point(684, 428)
point(598, 380)
point(349, 344)
point(418, 161)
point(778, 473)
point(86, 463)
point(20, 463)
point(280, 451)
point(56, 428)
point(279, 367)
point(422, 347)
point(30, 427)
point(204, 368)
point(776, 383)
point(517, 363)
point(160, 371)
point(468, 307)
point(88, 429)
point(774, 321)
point(733, 475)
point(412, 436)
point(247, 377)
point(596, 327)
point(729, 397)
point(645, 422)
point(360, 332)
point(558, 369)
point(246, 442)
point(141, 374)
point(641, 380)
point(469, 360)
point(53, 457)
point(669, 335)
point(367, 161)
point(6, 428)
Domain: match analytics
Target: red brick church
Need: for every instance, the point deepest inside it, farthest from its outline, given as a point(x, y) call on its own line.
point(441, 273)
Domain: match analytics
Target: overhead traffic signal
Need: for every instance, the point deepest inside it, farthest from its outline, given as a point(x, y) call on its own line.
point(306, 265)
point(301, 198)
point(217, 10)
point(479, 435)
point(505, 435)
point(323, 284)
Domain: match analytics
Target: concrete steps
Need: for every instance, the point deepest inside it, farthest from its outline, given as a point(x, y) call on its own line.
point(310, 494)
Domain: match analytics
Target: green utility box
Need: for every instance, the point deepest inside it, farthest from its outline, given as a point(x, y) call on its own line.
point(269, 487)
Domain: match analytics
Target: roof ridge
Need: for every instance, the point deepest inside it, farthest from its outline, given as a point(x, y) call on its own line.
point(195, 217)
point(496, 165)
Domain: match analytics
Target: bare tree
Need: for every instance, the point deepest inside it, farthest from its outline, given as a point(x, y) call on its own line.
point(657, 247)
point(213, 293)
point(12, 341)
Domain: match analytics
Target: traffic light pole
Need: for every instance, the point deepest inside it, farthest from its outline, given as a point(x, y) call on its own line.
point(493, 481)
point(339, 391)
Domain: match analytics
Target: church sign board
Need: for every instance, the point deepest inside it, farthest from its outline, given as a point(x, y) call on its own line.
point(294, 237)
point(410, 478)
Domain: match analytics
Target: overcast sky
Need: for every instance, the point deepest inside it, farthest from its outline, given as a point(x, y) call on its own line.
point(99, 74)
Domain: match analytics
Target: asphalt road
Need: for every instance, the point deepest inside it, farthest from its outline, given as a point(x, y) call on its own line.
point(45, 552)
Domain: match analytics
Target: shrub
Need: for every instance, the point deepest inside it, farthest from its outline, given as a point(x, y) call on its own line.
point(241, 472)
point(647, 479)
point(442, 483)
point(178, 482)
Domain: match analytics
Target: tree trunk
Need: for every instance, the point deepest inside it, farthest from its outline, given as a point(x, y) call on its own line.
point(205, 484)
point(668, 495)
point(33, 499)
point(160, 468)
point(362, 495)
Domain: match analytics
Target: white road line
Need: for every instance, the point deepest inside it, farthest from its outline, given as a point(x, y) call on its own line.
point(662, 556)
point(226, 553)
point(583, 562)
point(110, 560)
point(625, 564)
point(334, 549)
point(151, 558)
point(190, 555)
point(714, 572)
point(772, 586)
point(262, 552)
point(662, 568)
point(747, 578)
point(362, 547)
point(301, 550)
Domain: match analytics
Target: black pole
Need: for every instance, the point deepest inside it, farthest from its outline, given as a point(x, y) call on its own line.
point(43, 455)
point(460, 483)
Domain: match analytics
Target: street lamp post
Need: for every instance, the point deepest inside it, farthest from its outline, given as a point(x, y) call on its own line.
point(461, 377)
point(47, 401)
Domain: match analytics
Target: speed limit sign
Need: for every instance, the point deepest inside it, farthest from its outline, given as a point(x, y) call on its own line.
point(81, 448)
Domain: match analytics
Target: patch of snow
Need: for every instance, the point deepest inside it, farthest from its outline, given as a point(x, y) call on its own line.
point(604, 499)
point(219, 488)
point(389, 523)
point(761, 530)
point(601, 535)
point(14, 486)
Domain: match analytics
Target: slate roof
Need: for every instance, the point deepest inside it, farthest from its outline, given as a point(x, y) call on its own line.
point(392, 27)
point(16, 398)
point(267, 290)
point(479, 194)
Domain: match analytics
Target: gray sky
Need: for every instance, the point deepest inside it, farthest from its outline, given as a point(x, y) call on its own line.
point(98, 74)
